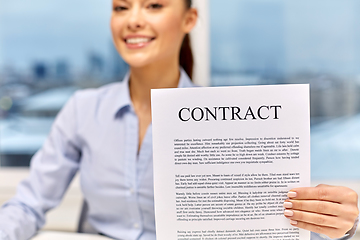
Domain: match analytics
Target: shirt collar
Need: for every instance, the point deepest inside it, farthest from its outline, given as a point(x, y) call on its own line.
point(123, 101)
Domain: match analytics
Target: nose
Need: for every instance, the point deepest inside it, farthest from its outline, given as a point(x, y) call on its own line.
point(136, 19)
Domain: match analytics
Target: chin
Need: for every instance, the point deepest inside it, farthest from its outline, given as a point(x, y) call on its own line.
point(138, 61)
point(145, 58)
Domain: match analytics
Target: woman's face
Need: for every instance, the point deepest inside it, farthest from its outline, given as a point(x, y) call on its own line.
point(147, 31)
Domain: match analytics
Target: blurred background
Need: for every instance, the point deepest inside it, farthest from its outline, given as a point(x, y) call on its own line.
point(308, 41)
point(49, 49)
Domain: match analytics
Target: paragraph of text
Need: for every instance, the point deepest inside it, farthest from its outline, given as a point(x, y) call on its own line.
point(235, 150)
point(229, 206)
point(271, 233)
point(236, 181)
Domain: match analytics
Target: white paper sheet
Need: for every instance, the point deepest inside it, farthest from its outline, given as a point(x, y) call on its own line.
point(224, 159)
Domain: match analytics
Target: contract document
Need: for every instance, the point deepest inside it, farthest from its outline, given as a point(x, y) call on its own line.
point(225, 158)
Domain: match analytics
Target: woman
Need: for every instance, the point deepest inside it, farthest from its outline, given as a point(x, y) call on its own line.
point(106, 135)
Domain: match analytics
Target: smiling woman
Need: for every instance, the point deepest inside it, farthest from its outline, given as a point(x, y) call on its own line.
point(161, 24)
point(149, 36)
point(106, 135)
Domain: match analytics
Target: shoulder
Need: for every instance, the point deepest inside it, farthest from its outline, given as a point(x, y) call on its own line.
point(93, 99)
point(86, 101)
point(94, 95)
point(93, 103)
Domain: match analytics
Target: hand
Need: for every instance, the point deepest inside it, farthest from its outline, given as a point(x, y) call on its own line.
point(323, 209)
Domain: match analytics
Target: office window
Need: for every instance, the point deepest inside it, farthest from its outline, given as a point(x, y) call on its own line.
point(48, 50)
point(308, 41)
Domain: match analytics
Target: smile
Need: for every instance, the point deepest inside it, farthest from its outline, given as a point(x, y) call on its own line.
point(137, 42)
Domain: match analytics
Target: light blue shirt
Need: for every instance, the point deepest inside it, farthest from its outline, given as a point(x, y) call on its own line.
point(97, 134)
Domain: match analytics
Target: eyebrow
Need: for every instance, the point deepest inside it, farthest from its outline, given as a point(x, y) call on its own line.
point(121, 1)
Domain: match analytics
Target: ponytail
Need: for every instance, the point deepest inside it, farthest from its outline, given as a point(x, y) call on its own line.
point(186, 56)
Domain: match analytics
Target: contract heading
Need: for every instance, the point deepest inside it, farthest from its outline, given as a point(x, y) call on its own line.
point(232, 113)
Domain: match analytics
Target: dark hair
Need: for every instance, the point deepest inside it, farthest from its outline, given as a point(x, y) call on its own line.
point(186, 55)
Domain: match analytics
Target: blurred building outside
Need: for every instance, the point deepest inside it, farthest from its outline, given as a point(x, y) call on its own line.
point(30, 101)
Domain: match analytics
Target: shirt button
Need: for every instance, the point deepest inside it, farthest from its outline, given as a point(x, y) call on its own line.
point(132, 191)
point(136, 225)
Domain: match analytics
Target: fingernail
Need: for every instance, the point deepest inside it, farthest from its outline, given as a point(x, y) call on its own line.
point(291, 194)
point(288, 205)
point(293, 222)
point(288, 213)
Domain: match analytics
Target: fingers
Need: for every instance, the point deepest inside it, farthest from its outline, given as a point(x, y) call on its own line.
point(330, 232)
point(324, 209)
point(330, 200)
point(324, 193)
point(328, 208)
point(345, 211)
point(317, 219)
point(331, 226)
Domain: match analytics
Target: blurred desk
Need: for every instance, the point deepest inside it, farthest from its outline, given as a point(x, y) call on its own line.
point(67, 236)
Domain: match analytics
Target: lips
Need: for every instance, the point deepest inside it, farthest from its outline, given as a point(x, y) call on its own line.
point(136, 42)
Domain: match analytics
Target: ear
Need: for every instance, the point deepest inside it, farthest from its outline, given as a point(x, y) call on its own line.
point(190, 20)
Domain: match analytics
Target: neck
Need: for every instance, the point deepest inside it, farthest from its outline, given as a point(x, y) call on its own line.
point(143, 79)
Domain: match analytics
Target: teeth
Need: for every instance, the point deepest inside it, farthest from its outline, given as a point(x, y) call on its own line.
point(137, 40)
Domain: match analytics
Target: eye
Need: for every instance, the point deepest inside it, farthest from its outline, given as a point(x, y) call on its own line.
point(155, 6)
point(119, 8)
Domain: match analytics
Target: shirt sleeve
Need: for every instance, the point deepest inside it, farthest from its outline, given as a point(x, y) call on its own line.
point(348, 235)
point(51, 170)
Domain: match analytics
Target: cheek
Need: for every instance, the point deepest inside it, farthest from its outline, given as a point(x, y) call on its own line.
point(116, 26)
point(169, 29)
